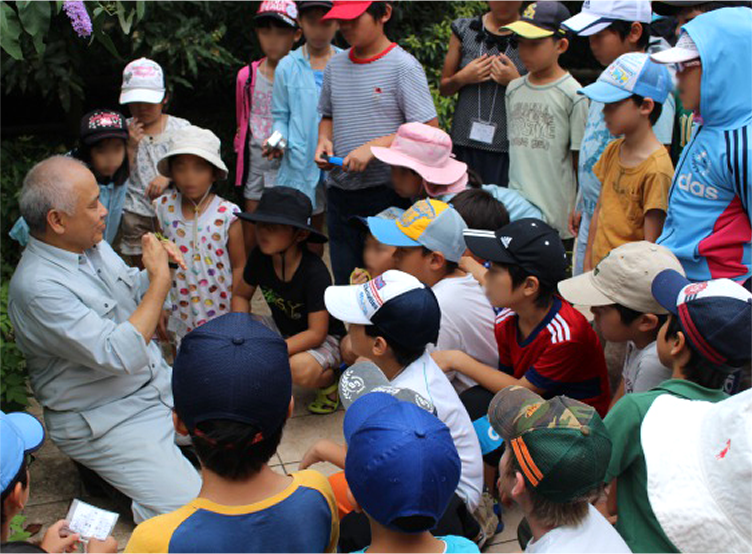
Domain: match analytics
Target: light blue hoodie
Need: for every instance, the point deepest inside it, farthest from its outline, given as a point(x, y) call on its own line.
point(710, 201)
point(295, 101)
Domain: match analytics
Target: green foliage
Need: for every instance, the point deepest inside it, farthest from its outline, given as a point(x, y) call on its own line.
point(17, 531)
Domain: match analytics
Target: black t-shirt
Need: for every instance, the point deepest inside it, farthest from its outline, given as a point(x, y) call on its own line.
point(292, 301)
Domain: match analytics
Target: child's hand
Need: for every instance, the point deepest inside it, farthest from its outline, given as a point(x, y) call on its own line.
point(270, 153)
point(58, 539)
point(575, 218)
point(135, 133)
point(157, 187)
point(477, 71)
point(358, 160)
point(359, 276)
point(324, 451)
point(503, 70)
point(325, 146)
point(109, 545)
point(474, 268)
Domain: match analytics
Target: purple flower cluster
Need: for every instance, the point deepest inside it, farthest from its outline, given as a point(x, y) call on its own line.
point(79, 17)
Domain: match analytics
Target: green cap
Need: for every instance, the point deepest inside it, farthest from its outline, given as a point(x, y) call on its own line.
point(561, 444)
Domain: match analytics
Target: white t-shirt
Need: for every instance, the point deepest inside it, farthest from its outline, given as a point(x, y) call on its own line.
point(426, 378)
point(467, 324)
point(643, 369)
point(595, 534)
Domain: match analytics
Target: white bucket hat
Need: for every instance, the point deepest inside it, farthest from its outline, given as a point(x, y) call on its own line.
point(699, 462)
point(197, 141)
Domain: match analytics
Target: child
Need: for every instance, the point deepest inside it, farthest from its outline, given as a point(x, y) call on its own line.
point(546, 118)
point(480, 62)
point(20, 436)
point(150, 130)
point(618, 294)
point(377, 257)
point(429, 244)
point(544, 343)
point(710, 202)
point(293, 280)
point(634, 171)
point(205, 228)
point(392, 320)
point(368, 92)
point(233, 395)
point(297, 85)
point(277, 31)
point(402, 469)
point(556, 457)
point(613, 28)
point(706, 335)
point(103, 137)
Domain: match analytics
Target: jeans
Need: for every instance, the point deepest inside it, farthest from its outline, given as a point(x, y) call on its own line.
point(581, 243)
point(345, 239)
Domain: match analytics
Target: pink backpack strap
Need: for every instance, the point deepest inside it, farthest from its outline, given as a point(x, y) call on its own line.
point(244, 86)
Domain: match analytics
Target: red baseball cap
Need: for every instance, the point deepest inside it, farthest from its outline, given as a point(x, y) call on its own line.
point(347, 10)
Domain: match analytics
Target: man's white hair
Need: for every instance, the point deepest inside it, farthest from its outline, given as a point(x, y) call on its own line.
point(47, 186)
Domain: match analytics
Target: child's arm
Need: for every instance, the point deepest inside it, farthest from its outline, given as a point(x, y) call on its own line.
point(653, 226)
point(280, 110)
point(489, 378)
point(588, 262)
point(135, 134)
point(325, 145)
point(318, 328)
point(236, 251)
point(477, 71)
point(242, 293)
point(358, 159)
point(474, 268)
point(324, 451)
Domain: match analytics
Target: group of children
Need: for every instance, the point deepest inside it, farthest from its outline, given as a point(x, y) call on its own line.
point(463, 264)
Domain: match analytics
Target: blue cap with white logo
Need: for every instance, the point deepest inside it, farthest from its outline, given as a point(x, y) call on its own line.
point(629, 74)
point(20, 434)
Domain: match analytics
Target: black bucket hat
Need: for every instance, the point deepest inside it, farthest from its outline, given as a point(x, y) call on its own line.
point(285, 206)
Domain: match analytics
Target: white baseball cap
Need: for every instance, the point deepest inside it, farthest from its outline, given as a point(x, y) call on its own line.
point(685, 50)
point(143, 81)
point(596, 15)
point(699, 461)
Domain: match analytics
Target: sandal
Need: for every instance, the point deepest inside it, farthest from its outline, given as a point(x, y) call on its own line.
point(323, 405)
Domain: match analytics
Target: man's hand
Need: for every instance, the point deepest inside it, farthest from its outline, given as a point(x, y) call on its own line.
point(477, 71)
point(358, 160)
point(575, 218)
point(57, 539)
point(155, 258)
point(176, 256)
point(135, 133)
point(325, 146)
point(503, 70)
point(109, 545)
point(157, 187)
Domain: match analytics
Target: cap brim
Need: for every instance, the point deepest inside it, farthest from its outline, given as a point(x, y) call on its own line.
point(528, 30)
point(342, 303)
point(105, 135)
point(666, 288)
point(31, 429)
point(674, 55)
point(486, 245)
point(347, 10)
point(447, 175)
point(581, 290)
point(146, 95)
point(604, 92)
point(279, 17)
point(163, 166)
point(672, 8)
point(586, 24)
point(315, 236)
point(386, 232)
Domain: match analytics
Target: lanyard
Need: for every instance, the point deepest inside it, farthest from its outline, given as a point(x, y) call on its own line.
point(493, 101)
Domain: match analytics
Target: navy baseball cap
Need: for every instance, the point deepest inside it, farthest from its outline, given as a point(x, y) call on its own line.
point(715, 316)
point(401, 461)
point(20, 434)
point(404, 309)
point(529, 243)
point(233, 368)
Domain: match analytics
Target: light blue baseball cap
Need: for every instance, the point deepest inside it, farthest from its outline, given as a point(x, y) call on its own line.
point(20, 434)
point(629, 74)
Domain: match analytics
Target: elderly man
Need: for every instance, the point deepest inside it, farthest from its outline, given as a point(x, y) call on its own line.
point(85, 322)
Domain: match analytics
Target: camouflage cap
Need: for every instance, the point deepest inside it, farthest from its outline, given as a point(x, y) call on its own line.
point(561, 444)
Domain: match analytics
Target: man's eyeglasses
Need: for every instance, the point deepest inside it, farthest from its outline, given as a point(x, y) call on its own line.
point(683, 66)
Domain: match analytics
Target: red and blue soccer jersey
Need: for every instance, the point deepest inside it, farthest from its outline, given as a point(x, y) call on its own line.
point(561, 356)
point(301, 518)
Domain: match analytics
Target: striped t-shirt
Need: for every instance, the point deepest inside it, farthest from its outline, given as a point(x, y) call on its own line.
point(368, 99)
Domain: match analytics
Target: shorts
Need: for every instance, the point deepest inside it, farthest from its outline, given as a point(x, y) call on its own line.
point(327, 354)
point(262, 174)
point(132, 227)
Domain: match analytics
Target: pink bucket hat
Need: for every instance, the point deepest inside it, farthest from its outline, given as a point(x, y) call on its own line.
point(427, 151)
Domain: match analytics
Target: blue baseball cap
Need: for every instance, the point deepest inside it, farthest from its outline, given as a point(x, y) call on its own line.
point(715, 316)
point(401, 461)
point(20, 434)
point(233, 368)
point(629, 74)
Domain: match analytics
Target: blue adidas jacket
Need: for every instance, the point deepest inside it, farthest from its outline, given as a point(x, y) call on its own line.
point(710, 201)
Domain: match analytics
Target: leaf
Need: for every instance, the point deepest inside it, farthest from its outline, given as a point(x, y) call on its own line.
point(10, 31)
point(35, 18)
point(106, 41)
point(125, 22)
point(140, 9)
